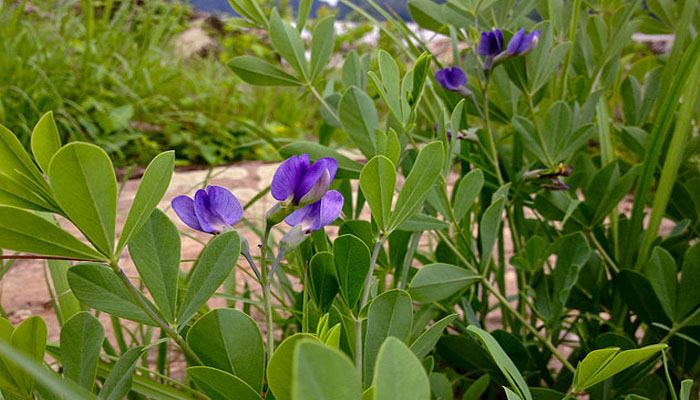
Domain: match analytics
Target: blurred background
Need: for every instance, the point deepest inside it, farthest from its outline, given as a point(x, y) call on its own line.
point(140, 77)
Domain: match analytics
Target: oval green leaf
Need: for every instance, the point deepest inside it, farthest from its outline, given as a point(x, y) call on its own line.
point(85, 187)
point(230, 340)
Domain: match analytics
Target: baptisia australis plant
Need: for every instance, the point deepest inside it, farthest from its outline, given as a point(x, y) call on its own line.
point(304, 203)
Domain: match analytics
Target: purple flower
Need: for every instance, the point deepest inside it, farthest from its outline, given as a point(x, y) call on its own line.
point(212, 210)
point(521, 43)
point(313, 217)
point(301, 184)
point(452, 79)
point(319, 214)
point(491, 43)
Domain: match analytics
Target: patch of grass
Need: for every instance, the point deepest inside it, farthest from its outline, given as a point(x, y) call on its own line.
point(108, 71)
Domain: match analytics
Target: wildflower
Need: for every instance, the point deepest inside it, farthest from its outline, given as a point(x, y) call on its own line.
point(554, 177)
point(298, 184)
point(452, 79)
point(310, 218)
point(212, 210)
point(491, 43)
point(521, 43)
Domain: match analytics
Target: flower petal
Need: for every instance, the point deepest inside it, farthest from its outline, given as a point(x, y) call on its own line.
point(484, 45)
point(441, 77)
point(184, 208)
point(288, 176)
point(331, 206)
point(312, 176)
point(302, 215)
point(515, 42)
point(225, 204)
point(208, 219)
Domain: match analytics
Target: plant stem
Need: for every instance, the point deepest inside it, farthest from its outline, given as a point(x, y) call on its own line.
point(363, 303)
point(602, 252)
point(265, 283)
point(325, 104)
point(491, 143)
point(147, 309)
point(677, 327)
point(508, 307)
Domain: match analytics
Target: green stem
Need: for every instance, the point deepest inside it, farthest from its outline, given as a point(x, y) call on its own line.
point(603, 253)
point(320, 98)
point(363, 303)
point(147, 309)
point(677, 327)
point(531, 105)
point(508, 307)
point(265, 283)
point(489, 137)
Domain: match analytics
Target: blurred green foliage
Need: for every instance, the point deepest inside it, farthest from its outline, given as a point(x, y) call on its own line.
point(108, 71)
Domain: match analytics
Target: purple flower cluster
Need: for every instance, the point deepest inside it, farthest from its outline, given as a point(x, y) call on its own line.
point(301, 188)
point(491, 47)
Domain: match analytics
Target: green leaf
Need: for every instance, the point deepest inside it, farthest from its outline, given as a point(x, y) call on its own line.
point(98, 286)
point(154, 183)
point(68, 305)
point(321, 372)
point(477, 388)
point(347, 168)
point(261, 73)
point(24, 231)
point(532, 139)
point(600, 365)
point(19, 194)
point(489, 227)
point(81, 341)
point(85, 187)
point(359, 119)
point(398, 374)
point(352, 262)
point(44, 376)
point(662, 274)
point(322, 276)
point(686, 387)
point(230, 340)
point(422, 177)
point(322, 45)
point(390, 85)
point(421, 222)
point(119, 380)
point(16, 163)
point(155, 251)
point(45, 140)
point(7, 370)
point(221, 385)
point(29, 337)
point(427, 340)
point(467, 191)
point(287, 41)
point(354, 71)
point(607, 188)
point(377, 181)
point(688, 295)
point(505, 364)
point(435, 282)
point(214, 265)
point(281, 363)
point(390, 314)
point(426, 14)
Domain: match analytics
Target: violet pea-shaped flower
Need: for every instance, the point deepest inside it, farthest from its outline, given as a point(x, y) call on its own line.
point(491, 43)
point(297, 183)
point(212, 210)
point(453, 79)
point(310, 218)
point(522, 43)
